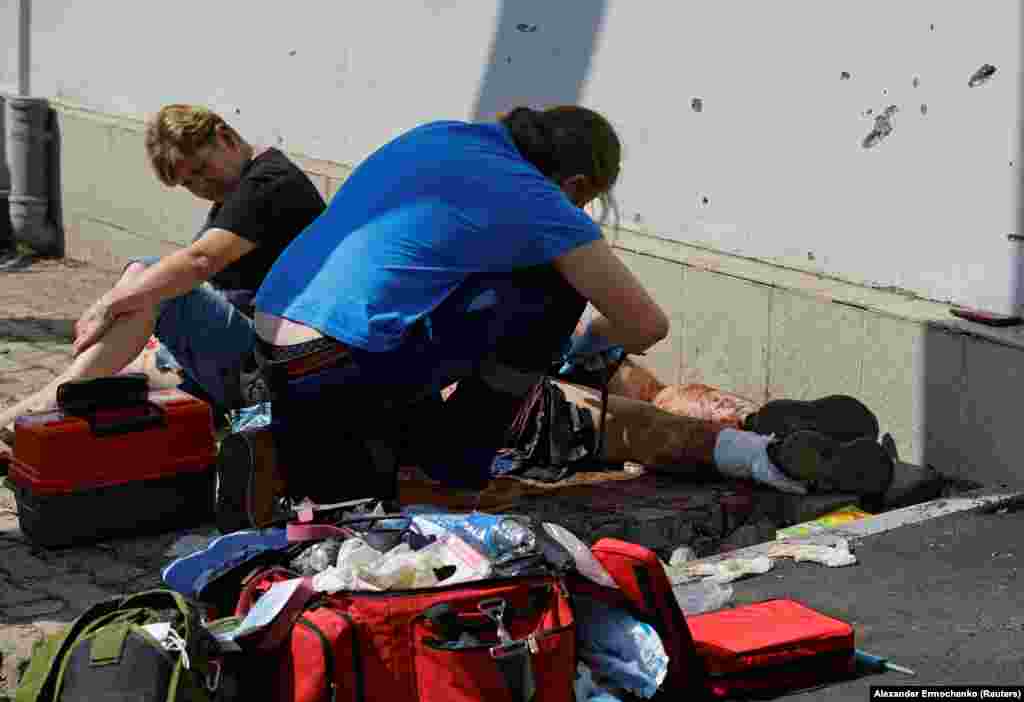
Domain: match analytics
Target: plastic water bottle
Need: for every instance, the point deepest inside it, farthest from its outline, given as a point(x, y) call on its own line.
point(499, 537)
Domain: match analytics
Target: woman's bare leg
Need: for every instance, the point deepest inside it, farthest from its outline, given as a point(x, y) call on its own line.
point(124, 341)
point(118, 347)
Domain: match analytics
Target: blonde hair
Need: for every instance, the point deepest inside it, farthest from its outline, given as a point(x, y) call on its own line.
point(177, 132)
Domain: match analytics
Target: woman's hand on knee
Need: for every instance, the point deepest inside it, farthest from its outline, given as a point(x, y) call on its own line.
point(92, 325)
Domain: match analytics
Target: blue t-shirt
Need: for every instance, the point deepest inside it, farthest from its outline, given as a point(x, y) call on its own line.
point(413, 221)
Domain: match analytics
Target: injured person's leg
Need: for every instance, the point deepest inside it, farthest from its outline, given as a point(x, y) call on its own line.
point(641, 432)
point(840, 417)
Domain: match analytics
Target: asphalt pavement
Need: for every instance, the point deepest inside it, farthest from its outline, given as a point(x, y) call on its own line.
point(941, 597)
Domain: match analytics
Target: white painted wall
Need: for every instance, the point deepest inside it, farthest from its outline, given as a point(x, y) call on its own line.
point(777, 149)
point(9, 46)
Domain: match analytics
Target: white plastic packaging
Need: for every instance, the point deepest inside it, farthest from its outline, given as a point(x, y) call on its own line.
point(344, 575)
point(587, 566)
point(681, 555)
point(703, 596)
point(831, 556)
point(732, 569)
point(401, 568)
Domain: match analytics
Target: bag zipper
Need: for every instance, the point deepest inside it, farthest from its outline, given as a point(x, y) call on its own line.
point(531, 641)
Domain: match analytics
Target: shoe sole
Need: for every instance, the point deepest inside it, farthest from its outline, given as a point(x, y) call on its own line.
point(248, 484)
point(860, 466)
point(840, 417)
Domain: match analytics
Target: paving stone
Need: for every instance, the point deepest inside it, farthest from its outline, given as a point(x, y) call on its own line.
point(15, 349)
point(144, 549)
point(78, 591)
point(7, 501)
point(12, 595)
point(102, 564)
point(25, 562)
point(657, 529)
point(50, 626)
point(117, 574)
point(75, 560)
point(16, 643)
point(10, 528)
point(146, 582)
point(32, 610)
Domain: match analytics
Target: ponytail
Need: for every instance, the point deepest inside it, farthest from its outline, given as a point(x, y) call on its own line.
point(568, 140)
point(533, 139)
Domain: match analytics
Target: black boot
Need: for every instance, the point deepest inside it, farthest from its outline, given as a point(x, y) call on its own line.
point(840, 417)
point(861, 466)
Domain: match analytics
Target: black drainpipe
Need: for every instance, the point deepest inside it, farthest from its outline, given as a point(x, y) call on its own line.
point(28, 140)
point(6, 235)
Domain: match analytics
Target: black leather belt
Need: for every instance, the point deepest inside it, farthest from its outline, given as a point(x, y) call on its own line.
point(296, 360)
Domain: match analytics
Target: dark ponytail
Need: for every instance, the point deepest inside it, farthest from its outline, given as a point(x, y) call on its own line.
point(533, 139)
point(568, 140)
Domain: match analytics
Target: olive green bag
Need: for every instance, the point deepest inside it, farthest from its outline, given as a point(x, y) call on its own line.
point(112, 652)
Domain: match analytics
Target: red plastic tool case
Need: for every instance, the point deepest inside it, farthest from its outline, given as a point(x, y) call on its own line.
point(143, 468)
point(770, 647)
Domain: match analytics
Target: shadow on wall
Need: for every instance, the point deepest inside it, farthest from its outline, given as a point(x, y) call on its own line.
point(540, 56)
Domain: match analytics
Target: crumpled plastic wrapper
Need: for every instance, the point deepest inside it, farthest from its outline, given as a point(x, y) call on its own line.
point(731, 569)
point(831, 556)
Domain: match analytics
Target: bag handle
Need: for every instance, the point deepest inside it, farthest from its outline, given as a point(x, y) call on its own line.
point(158, 599)
point(84, 396)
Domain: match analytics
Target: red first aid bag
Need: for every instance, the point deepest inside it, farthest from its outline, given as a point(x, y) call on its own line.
point(441, 644)
point(646, 592)
point(770, 647)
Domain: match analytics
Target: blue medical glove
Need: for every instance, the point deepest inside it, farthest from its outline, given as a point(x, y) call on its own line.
point(589, 352)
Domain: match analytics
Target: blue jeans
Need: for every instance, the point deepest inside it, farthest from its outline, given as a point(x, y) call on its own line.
point(492, 321)
point(209, 339)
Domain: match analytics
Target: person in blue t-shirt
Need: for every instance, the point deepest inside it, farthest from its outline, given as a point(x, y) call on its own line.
point(456, 253)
